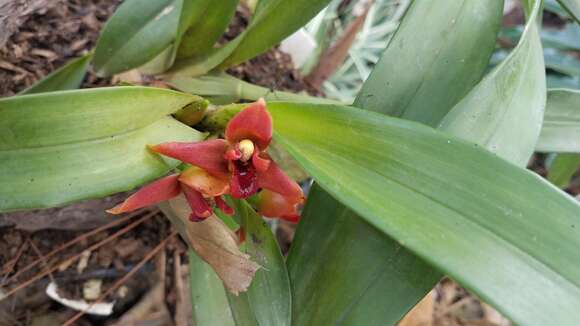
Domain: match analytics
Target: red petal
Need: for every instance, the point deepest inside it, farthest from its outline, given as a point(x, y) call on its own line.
point(276, 180)
point(199, 206)
point(221, 204)
point(260, 163)
point(275, 205)
point(244, 182)
point(151, 194)
point(208, 155)
point(253, 123)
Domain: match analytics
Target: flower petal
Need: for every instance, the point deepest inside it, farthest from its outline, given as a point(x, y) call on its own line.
point(276, 180)
point(273, 204)
point(223, 206)
point(151, 194)
point(244, 182)
point(208, 155)
point(261, 163)
point(199, 206)
point(200, 180)
point(253, 123)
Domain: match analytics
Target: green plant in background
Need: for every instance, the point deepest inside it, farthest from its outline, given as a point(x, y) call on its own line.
point(423, 176)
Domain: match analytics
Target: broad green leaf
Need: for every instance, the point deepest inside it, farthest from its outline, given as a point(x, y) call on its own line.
point(65, 117)
point(268, 298)
point(562, 168)
point(561, 128)
point(512, 94)
point(273, 21)
point(136, 33)
point(69, 76)
point(441, 47)
point(349, 273)
point(475, 217)
point(209, 301)
point(52, 175)
point(208, 21)
point(60, 147)
point(572, 7)
point(374, 280)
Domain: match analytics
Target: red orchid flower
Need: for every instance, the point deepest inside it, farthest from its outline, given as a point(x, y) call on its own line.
point(238, 165)
point(242, 161)
point(198, 187)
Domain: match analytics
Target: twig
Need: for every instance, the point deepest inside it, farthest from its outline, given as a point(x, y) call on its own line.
point(41, 257)
point(73, 242)
point(77, 256)
point(9, 266)
point(124, 279)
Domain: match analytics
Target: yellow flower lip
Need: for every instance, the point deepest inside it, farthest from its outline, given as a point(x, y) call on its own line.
point(246, 147)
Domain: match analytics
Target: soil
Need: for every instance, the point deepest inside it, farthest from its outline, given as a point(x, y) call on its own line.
point(47, 39)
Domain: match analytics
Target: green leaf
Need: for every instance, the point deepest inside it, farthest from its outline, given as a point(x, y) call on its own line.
point(561, 128)
point(441, 47)
point(221, 88)
point(273, 21)
point(572, 7)
point(464, 210)
point(561, 38)
point(65, 117)
point(375, 281)
point(554, 7)
point(344, 271)
point(136, 33)
point(562, 63)
point(69, 76)
point(209, 301)
point(268, 299)
point(60, 147)
point(554, 81)
point(48, 176)
point(562, 168)
point(513, 93)
point(209, 19)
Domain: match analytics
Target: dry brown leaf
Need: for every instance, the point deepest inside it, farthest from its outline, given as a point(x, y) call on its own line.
point(215, 243)
point(334, 56)
point(421, 314)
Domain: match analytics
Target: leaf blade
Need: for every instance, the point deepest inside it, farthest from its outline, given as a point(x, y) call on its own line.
point(49, 176)
point(69, 116)
point(136, 33)
point(514, 91)
point(69, 76)
point(395, 183)
point(447, 52)
point(561, 128)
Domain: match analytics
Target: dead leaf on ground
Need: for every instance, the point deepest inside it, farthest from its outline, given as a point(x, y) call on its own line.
point(215, 243)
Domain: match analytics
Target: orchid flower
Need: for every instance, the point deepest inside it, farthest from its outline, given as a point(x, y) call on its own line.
point(237, 165)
